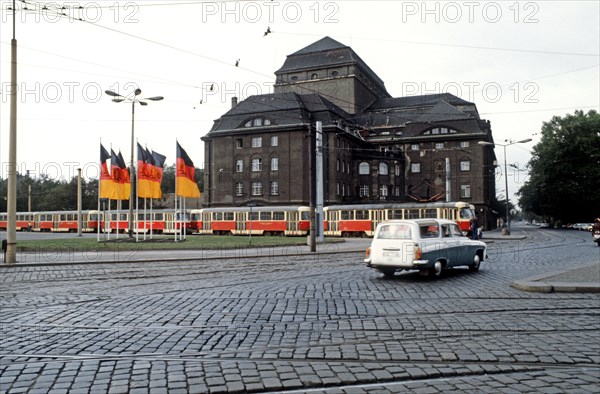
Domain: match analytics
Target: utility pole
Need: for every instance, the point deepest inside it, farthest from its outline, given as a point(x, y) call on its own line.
point(11, 208)
point(79, 221)
point(312, 241)
point(319, 182)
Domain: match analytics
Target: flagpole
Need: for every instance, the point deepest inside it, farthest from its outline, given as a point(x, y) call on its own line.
point(184, 220)
point(118, 217)
point(99, 182)
point(175, 216)
point(151, 221)
point(145, 228)
point(108, 236)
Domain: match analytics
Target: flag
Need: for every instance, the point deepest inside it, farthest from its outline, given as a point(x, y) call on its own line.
point(184, 172)
point(120, 176)
point(157, 173)
point(144, 173)
point(150, 173)
point(107, 184)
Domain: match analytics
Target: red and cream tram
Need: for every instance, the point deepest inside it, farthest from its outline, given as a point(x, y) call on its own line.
point(360, 220)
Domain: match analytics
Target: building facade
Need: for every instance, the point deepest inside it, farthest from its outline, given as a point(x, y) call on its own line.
point(376, 148)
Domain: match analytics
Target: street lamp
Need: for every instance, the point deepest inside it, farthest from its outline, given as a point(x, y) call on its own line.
point(506, 172)
point(117, 98)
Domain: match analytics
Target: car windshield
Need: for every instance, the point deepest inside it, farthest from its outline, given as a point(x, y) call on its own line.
point(394, 231)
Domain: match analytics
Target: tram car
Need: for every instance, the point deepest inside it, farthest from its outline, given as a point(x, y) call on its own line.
point(24, 221)
point(360, 220)
point(278, 220)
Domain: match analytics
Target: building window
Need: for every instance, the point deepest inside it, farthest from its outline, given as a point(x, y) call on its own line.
point(383, 192)
point(439, 166)
point(464, 144)
point(274, 140)
point(334, 73)
point(415, 167)
point(239, 144)
point(274, 188)
point(256, 142)
point(239, 165)
point(348, 167)
point(465, 191)
point(414, 147)
point(256, 165)
point(338, 189)
point(364, 190)
point(439, 145)
point(397, 191)
point(239, 189)
point(337, 165)
point(465, 165)
point(383, 169)
point(257, 188)
point(397, 169)
point(363, 168)
point(314, 76)
point(274, 163)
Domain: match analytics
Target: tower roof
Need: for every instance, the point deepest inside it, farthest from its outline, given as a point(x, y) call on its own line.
point(326, 53)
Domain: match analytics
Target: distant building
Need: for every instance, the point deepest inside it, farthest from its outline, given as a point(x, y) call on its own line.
point(376, 148)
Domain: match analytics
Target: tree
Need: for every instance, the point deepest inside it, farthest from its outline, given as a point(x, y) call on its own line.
point(564, 181)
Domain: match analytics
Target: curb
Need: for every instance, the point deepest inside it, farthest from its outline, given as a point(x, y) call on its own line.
point(537, 284)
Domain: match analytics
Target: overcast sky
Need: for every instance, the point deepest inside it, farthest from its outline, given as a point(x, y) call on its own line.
point(520, 62)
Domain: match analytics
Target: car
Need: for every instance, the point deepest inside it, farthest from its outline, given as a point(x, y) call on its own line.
point(426, 245)
point(583, 226)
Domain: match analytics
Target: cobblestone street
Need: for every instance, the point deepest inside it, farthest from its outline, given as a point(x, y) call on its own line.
point(317, 324)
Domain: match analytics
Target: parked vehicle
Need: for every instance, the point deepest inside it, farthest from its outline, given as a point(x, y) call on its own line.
point(427, 245)
point(583, 226)
point(596, 231)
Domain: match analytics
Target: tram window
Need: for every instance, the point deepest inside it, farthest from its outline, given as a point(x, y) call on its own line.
point(278, 215)
point(253, 216)
point(430, 213)
point(159, 216)
point(265, 216)
point(62, 217)
point(347, 215)
point(362, 215)
point(304, 215)
point(227, 215)
point(413, 214)
point(465, 213)
point(395, 214)
point(218, 216)
point(93, 216)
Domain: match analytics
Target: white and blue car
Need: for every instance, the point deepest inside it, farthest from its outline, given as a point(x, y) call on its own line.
point(427, 245)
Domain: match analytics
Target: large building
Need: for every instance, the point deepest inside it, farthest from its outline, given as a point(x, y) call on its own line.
point(376, 148)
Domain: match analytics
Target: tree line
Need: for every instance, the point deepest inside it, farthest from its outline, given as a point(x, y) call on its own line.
point(48, 194)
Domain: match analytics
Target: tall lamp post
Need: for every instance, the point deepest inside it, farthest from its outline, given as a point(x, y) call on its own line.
point(505, 172)
point(133, 99)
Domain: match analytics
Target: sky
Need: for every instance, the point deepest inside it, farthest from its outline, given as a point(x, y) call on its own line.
point(520, 62)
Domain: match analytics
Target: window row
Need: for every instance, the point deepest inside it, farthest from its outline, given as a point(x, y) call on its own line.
point(256, 142)
point(384, 191)
point(464, 165)
point(256, 164)
point(364, 168)
point(256, 188)
point(438, 145)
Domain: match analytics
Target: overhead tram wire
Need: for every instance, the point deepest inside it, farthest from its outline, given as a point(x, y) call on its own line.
point(307, 34)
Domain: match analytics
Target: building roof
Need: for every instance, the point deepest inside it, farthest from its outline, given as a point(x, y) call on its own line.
point(282, 109)
point(326, 53)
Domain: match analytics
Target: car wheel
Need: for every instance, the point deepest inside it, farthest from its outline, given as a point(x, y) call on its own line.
point(436, 270)
point(476, 262)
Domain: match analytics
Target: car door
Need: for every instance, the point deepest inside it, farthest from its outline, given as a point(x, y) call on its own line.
point(463, 250)
point(450, 243)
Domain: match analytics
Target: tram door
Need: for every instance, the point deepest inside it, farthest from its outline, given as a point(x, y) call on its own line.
point(240, 221)
point(333, 222)
point(292, 221)
point(377, 215)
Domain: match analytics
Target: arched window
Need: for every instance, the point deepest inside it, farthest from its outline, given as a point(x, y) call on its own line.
point(383, 168)
point(363, 168)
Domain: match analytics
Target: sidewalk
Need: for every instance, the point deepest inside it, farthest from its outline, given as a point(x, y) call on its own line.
point(582, 279)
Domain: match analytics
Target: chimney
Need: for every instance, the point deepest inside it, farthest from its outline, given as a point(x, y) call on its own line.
point(234, 101)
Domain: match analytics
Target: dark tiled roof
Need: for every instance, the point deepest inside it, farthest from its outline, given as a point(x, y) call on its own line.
point(416, 101)
point(282, 109)
point(326, 52)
